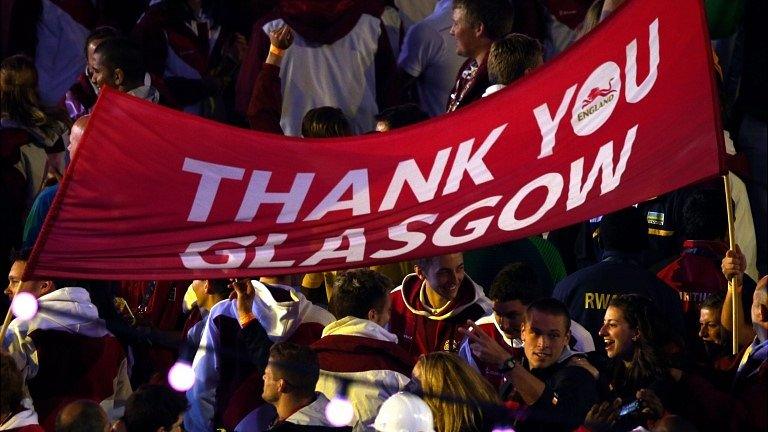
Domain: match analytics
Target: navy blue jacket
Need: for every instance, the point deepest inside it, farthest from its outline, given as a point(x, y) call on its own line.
point(587, 292)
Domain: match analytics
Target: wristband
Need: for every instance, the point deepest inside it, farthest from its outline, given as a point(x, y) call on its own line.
point(276, 51)
point(508, 365)
point(245, 319)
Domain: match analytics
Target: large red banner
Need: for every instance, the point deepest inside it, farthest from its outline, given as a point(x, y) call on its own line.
point(626, 114)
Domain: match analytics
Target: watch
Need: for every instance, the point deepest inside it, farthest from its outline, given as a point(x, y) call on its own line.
point(508, 365)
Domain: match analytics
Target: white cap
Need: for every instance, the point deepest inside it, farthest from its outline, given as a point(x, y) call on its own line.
point(404, 412)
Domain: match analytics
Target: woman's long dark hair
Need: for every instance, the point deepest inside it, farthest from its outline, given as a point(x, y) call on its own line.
point(649, 361)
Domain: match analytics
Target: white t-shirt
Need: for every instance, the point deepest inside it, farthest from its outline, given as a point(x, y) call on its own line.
point(341, 74)
point(429, 53)
point(413, 11)
point(59, 55)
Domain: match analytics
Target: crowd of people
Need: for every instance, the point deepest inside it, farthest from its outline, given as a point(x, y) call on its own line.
point(622, 322)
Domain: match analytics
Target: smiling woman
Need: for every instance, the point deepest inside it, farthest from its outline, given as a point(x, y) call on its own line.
point(638, 341)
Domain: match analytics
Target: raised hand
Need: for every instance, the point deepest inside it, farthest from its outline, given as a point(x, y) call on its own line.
point(245, 295)
point(282, 37)
point(734, 264)
point(483, 346)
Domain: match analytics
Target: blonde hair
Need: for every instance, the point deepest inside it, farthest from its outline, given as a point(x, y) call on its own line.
point(596, 13)
point(446, 379)
point(511, 56)
point(591, 19)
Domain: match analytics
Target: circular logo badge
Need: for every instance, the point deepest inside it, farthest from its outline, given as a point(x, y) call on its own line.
point(597, 99)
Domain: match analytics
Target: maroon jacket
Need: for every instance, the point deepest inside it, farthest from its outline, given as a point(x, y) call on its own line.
point(267, 102)
point(22, 421)
point(72, 367)
point(363, 351)
point(419, 332)
point(468, 87)
point(27, 428)
point(164, 27)
point(740, 410)
point(342, 353)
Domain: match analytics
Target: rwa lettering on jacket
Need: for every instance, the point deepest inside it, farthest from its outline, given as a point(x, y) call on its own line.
point(597, 300)
point(591, 109)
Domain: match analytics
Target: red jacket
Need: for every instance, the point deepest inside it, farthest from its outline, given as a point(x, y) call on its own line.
point(491, 372)
point(742, 409)
point(696, 275)
point(22, 421)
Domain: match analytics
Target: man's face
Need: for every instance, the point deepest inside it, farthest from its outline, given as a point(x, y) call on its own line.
point(382, 317)
point(271, 393)
point(466, 36)
point(444, 274)
point(709, 325)
point(509, 316)
point(102, 75)
point(16, 285)
point(617, 334)
point(89, 51)
point(760, 305)
point(199, 286)
point(544, 339)
point(382, 126)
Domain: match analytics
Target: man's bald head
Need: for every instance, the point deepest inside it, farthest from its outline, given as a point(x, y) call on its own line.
point(82, 416)
point(760, 304)
point(674, 423)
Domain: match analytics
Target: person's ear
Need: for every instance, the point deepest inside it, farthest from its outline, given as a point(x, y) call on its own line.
point(47, 287)
point(208, 287)
point(480, 30)
point(763, 314)
point(373, 315)
point(419, 272)
point(119, 77)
